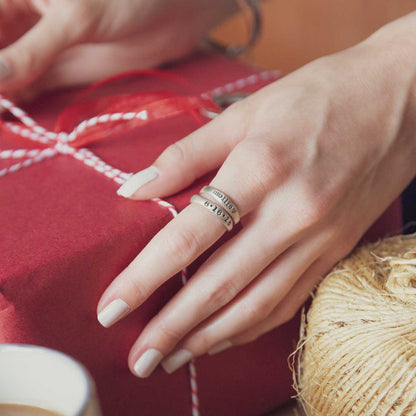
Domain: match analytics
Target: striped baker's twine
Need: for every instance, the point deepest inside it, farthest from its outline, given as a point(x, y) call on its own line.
point(264, 76)
point(59, 144)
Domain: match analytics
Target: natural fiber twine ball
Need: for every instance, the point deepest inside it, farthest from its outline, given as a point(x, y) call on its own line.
point(357, 355)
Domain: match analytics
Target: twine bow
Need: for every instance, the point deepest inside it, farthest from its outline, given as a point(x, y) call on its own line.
point(69, 143)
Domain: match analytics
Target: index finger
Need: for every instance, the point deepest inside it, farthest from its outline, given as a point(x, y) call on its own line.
point(174, 247)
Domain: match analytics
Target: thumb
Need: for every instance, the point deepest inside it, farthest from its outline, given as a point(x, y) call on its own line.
point(188, 159)
point(24, 60)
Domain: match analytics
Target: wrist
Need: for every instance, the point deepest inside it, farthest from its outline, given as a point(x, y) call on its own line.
point(393, 48)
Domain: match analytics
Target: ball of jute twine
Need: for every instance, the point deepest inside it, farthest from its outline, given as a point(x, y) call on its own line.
point(357, 351)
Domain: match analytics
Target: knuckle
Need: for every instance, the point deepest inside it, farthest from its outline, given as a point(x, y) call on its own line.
point(221, 294)
point(184, 244)
point(203, 341)
point(317, 199)
point(313, 211)
point(140, 291)
point(235, 113)
point(236, 108)
point(174, 153)
point(258, 159)
point(265, 167)
point(233, 122)
point(255, 311)
point(168, 333)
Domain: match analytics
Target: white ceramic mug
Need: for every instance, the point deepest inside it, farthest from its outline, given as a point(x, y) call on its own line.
point(40, 377)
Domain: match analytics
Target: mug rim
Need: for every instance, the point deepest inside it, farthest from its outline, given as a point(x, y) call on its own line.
point(84, 371)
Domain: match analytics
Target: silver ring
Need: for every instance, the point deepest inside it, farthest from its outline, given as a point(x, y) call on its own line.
point(222, 199)
point(215, 209)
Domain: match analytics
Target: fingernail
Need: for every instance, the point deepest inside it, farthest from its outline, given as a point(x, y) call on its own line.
point(4, 68)
point(113, 312)
point(147, 362)
point(172, 362)
point(221, 346)
point(137, 181)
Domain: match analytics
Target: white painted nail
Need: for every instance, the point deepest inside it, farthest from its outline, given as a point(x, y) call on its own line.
point(172, 362)
point(137, 181)
point(4, 68)
point(113, 312)
point(147, 362)
point(221, 346)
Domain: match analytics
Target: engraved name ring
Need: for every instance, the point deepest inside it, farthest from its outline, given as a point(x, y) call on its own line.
point(222, 199)
point(215, 209)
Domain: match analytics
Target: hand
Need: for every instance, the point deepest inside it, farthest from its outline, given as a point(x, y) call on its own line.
point(56, 43)
point(311, 161)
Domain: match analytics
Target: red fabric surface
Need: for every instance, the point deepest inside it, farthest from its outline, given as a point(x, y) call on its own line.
point(66, 235)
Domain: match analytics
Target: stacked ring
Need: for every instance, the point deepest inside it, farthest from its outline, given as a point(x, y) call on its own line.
point(223, 207)
point(223, 199)
point(214, 209)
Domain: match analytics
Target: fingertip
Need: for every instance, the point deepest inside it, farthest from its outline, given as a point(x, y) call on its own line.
point(113, 312)
point(131, 188)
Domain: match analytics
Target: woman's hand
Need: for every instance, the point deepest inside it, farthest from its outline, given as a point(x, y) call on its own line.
point(55, 43)
point(311, 161)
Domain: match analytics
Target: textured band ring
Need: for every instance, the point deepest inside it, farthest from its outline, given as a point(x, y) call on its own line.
point(222, 199)
point(215, 209)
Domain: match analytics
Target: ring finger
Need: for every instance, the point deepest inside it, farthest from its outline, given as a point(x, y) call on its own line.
point(287, 309)
point(251, 306)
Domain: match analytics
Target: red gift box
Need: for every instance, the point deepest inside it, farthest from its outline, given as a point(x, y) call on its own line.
point(66, 235)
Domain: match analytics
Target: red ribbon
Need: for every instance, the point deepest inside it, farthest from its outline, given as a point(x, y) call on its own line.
point(158, 105)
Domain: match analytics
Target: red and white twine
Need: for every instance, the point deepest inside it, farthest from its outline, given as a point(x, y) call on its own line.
point(58, 143)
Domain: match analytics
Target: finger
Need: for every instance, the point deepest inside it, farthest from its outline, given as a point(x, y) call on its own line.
point(184, 161)
point(187, 236)
point(15, 19)
point(249, 308)
point(228, 271)
point(24, 60)
point(181, 241)
point(70, 69)
point(286, 310)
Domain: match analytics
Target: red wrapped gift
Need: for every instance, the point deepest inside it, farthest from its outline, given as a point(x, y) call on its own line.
point(66, 235)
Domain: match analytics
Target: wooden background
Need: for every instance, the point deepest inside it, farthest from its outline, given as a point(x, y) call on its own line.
point(297, 31)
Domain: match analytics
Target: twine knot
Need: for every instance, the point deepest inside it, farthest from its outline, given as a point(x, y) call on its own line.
point(62, 146)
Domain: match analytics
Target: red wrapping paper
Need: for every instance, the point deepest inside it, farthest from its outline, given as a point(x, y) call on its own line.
point(65, 235)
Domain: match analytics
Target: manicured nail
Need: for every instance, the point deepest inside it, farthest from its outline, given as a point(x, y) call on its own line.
point(172, 362)
point(147, 362)
point(221, 346)
point(4, 68)
point(137, 181)
point(113, 312)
